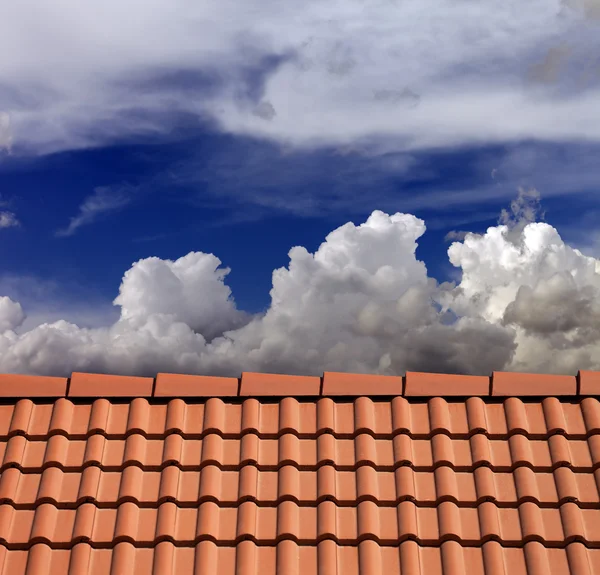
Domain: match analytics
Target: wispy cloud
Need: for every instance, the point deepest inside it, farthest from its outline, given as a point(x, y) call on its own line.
point(455, 236)
point(5, 132)
point(455, 184)
point(8, 220)
point(102, 202)
point(299, 74)
point(263, 178)
point(526, 208)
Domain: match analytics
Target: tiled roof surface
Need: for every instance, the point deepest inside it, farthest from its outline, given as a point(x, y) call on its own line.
point(345, 474)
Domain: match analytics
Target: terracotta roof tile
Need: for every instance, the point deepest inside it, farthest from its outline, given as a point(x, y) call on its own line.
point(440, 385)
point(523, 384)
point(359, 384)
point(344, 418)
point(18, 386)
point(269, 525)
point(589, 382)
point(95, 385)
point(288, 480)
point(264, 384)
point(176, 385)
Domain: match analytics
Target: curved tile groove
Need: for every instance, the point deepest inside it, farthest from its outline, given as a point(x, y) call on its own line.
point(580, 456)
point(306, 419)
point(432, 526)
point(327, 559)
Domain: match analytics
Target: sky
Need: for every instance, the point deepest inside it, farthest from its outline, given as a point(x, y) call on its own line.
point(368, 186)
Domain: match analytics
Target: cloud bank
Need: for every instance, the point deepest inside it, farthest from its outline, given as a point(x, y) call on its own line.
point(413, 73)
point(361, 302)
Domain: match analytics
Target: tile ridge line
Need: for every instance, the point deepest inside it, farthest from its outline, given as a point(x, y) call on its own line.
point(499, 384)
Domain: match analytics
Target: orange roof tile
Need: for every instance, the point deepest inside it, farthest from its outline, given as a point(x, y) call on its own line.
point(589, 382)
point(267, 474)
point(14, 385)
point(437, 384)
point(270, 384)
point(95, 385)
point(176, 385)
point(356, 384)
point(521, 384)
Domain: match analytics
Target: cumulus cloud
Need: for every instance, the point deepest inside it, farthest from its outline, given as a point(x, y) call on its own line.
point(8, 220)
point(190, 290)
point(334, 74)
point(538, 285)
point(11, 314)
point(361, 302)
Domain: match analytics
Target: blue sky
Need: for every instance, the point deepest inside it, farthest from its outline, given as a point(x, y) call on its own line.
point(273, 133)
point(253, 225)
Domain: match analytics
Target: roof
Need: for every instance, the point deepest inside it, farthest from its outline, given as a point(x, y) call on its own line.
point(351, 474)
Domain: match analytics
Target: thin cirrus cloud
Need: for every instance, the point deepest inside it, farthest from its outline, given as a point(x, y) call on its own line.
point(418, 73)
point(104, 201)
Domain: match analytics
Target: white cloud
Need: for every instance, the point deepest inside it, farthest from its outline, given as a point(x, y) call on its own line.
point(11, 314)
point(190, 290)
point(103, 201)
point(417, 72)
point(8, 220)
point(544, 289)
point(361, 302)
point(5, 132)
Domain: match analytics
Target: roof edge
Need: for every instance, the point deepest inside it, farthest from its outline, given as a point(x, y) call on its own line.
point(330, 384)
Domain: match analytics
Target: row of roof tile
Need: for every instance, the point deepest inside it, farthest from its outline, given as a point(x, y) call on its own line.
point(304, 524)
point(413, 384)
point(503, 455)
point(289, 558)
point(67, 489)
point(382, 418)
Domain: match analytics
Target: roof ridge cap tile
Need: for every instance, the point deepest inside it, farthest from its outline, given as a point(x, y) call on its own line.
point(18, 385)
point(101, 385)
point(500, 384)
point(358, 384)
point(183, 385)
point(589, 382)
point(272, 384)
point(517, 384)
point(445, 385)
